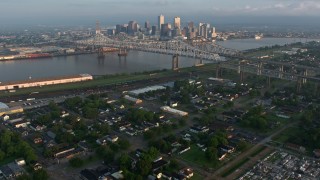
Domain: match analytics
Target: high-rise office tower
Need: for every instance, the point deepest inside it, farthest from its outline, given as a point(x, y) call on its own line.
point(177, 22)
point(191, 25)
point(132, 27)
point(166, 29)
point(203, 30)
point(213, 33)
point(154, 30)
point(98, 29)
point(160, 21)
point(147, 25)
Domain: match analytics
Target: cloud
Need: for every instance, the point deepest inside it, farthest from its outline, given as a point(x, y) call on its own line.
point(278, 7)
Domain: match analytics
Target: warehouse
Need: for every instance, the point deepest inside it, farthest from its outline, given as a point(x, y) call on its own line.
point(137, 92)
point(44, 82)
point(173, 111)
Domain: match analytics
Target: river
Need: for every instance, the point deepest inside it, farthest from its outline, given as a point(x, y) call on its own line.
point(111, 64)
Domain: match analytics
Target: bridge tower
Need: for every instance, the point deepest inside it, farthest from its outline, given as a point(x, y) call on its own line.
point(175, 62)
point(305, 74)
point(268, 81)
point(98, 29)
point(218, 71)
point(281, 72)
point(240, 71)
point(122, 52)
point(259, 71)
point(299, 84)
point(101, 53)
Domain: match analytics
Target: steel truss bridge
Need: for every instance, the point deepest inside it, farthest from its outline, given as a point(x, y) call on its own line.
point(199, 48)
point(272, 69)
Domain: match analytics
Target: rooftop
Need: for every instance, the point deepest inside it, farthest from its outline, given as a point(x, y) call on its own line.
point(3, 106)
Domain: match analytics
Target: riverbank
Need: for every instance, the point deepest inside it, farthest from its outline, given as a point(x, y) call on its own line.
point(112, 81)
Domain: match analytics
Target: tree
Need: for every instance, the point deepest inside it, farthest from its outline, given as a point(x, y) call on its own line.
point(213, 142)
point(76, 162)
point(23, 177)
point(40, 174)
point(124, 144)
point(153, 152)
point(2, 155)
point(242, 145)
point(212, 154)
point(125, 162)
point(144, 165)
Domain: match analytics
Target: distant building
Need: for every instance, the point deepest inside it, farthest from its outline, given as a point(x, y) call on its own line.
point(147, 25)
point(154, 30)
point(166, 29)
point(160, 21)
point(132, 27)
point(203, 30)
point(44, 82)
point(177, 22)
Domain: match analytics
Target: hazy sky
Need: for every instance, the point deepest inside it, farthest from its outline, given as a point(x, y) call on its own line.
point(77, 11)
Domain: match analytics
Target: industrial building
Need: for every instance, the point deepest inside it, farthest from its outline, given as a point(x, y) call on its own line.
point(44, 82)
point(12, 110)
point(132, 99)
point(137, 92)
point(173, 111)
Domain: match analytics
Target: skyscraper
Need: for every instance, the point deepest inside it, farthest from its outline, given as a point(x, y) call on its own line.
point(204, 30)
point(147, 25)
point(132, 27)
point(160, 21)
point(177, 22)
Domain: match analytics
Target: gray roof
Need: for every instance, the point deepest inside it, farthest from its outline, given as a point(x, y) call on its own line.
point(3, 106)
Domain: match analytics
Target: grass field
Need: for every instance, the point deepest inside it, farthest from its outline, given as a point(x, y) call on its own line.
point(196, 156)
point(235, 167)
point(259, 150)
point(110, 80)
point(285, 135)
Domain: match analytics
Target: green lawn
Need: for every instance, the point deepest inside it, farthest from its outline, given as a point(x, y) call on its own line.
point(235, 167)
point(197, 176)
point(286, 134)
point(259, 150)
point(197, 156)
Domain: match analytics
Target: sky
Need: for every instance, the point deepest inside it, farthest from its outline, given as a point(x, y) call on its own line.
point(15, 12)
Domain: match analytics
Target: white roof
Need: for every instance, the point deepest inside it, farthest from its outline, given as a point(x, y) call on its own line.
point(3, 106)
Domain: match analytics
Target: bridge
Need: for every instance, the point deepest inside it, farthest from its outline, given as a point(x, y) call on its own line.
point(197, 48)
point(272, 69)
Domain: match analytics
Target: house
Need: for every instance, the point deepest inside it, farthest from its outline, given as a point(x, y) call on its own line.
point(176, 176)
point(64, 114)
point(51, 135)
point(159, 164)
point(199, 129)
point(37, 127)
point(37, 140)
point(20, 124)
point(37, 166)
point(187, 172)
point(105, 139)
point(117, 175)
point(11, 170)
point(184, 150)
point(227, 148)
point(20, 162)
point(222, 155)
point(4, 117)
